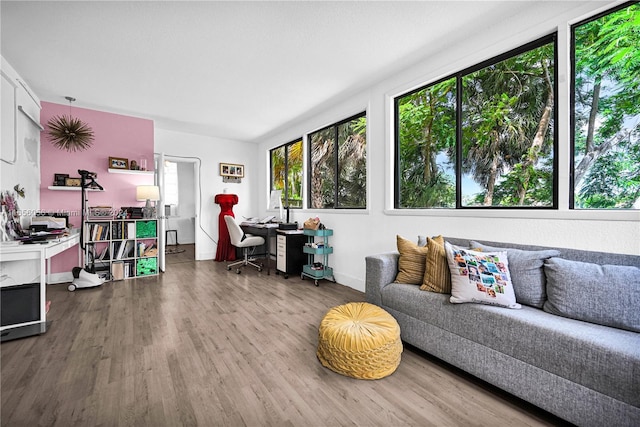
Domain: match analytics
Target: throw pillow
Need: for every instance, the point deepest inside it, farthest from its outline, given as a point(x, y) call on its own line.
point(480, 277)
point(527, 272)
point(604, 294)
point(411, 263)
point(436, 275)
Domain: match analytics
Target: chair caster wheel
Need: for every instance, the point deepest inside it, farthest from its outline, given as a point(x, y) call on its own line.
point(228, 268)
point(238, 271)
point(260, 269)
point(71, 287)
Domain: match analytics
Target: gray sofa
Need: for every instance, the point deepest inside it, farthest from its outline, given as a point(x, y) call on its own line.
point(583, 372)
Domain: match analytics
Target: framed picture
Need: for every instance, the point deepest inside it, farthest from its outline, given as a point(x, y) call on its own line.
point(59, 179)
point(230, 169)
point(118, 163)
point(73, 182)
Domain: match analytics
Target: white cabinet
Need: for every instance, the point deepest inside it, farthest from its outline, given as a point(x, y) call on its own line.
point(41, 253)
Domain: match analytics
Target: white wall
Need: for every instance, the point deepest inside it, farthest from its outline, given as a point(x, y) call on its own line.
point(208, 153)
point(358, 233)
point(20, 148)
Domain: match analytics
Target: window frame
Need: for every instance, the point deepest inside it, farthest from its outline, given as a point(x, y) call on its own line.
point(459, 75)
point(285, 192)
point(572, 106)
point(335, 161)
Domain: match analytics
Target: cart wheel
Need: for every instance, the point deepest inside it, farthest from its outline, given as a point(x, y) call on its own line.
point(301, 276)
point(316, 282)
point(71, 287)
point(238, 271)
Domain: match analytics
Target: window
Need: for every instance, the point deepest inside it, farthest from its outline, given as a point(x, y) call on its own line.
point(484, 137)
point(286, 172)
point(338, 166)
point(606, 110)
point(170, 183)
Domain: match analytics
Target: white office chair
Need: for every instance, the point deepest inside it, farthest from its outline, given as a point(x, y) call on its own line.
point(244, 241)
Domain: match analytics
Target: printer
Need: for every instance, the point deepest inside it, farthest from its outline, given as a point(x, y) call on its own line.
point(46, 223)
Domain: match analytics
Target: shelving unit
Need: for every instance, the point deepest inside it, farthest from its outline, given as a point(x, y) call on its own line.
point(66, 188)
point(129, 171)
point(323, 252)
point(118, 249)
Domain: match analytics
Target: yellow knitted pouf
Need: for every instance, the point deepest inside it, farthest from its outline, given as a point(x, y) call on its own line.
point(359, 340)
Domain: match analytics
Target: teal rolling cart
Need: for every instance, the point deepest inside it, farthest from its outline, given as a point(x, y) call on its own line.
point(317, 270)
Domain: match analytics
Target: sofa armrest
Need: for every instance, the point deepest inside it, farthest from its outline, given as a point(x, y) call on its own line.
point(381, 269)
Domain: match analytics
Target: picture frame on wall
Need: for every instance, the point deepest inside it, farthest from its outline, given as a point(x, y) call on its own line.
point(59, 179)
point(232, 170)
point(118, 163)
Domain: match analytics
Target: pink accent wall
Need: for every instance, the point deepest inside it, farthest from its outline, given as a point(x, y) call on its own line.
point(115, 135)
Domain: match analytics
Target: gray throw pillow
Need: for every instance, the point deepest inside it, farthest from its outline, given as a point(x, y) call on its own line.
point(604, 294)
point(527, 272)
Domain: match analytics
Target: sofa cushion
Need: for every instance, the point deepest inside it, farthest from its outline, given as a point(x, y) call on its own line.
point(480, 277)
point(603, 294)
point(598, 357)
point(436, 274)
point(411, 263)
point(527, 272)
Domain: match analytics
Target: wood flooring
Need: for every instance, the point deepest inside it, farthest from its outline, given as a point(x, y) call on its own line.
point(203, 346)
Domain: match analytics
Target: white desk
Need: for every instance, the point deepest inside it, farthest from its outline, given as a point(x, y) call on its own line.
point(42, 253)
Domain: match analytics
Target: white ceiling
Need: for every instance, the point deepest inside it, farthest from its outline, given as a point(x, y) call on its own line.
point(237, 70)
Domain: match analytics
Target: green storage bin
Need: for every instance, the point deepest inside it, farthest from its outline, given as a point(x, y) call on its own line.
point(147, 266)
point(145, 229)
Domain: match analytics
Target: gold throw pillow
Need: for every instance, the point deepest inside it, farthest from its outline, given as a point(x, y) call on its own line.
point(437, 277)
point(411, 263)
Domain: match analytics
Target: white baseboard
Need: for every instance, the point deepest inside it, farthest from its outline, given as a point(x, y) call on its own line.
point(54, 278)
point(201, 256)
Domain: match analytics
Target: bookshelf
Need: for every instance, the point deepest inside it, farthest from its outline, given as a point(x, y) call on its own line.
point(119, 249)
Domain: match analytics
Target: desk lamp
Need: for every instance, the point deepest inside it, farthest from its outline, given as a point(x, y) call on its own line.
point(147, 193)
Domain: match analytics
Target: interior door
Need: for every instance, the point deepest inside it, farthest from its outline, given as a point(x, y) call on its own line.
point(162, 222)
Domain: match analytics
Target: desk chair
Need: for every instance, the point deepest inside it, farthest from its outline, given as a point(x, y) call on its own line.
point(244, 241)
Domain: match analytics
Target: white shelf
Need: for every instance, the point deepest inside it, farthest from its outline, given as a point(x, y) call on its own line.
point(130, 172)
point(65, 188)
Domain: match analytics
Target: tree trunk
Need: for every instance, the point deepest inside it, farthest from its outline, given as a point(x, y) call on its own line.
point(591, 153)
point(538, 140)
point(593, 114)
point(491, 182)
point(581, 170)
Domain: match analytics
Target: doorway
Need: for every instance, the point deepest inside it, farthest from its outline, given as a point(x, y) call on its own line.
point(178, 179)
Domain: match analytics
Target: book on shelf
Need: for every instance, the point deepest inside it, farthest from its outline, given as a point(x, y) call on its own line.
point(117, 270)
point(129, 249)
point(131, 230)
point(104, 255)
point(121, 249)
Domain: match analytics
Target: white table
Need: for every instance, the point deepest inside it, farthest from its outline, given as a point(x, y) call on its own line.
point(42, 253)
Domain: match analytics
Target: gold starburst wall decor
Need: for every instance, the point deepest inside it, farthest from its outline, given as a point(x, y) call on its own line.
point(69, 133)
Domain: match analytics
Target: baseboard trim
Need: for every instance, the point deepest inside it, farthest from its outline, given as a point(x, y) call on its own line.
point(54, 278)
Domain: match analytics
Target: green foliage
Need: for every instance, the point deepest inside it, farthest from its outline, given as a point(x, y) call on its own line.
point(347, 182)
point(503, 107)
point(613, 182)
point(427, 135)
point(288, 174)
point(607, 111)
